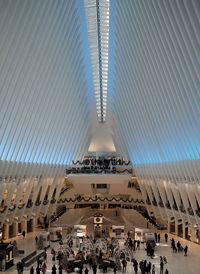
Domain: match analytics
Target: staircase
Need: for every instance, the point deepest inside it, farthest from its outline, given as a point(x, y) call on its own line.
point(71, 217)
point(133, 218)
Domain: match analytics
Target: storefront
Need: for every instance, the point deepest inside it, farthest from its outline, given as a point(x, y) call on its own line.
point(55, 233)
point(6, 256)
point(30, 225)
point(80, 230)
point(118, 231)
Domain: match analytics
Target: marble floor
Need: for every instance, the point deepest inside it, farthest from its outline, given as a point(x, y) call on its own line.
point(177, 263)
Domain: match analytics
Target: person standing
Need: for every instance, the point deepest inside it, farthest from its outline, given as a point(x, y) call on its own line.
point(60, 269)
point(115, 269)
point(32, 270)
point(166, 271)
point(166, 237)
point(159, 238)
point(44, 268)
point(164, 260)
point(148, 268)
point(94, 268)
point(161, 267)
point(178, 246)
point(36, 239)
point(45, 257)
point(38, 269)
point(138, 244)
point(53, 269)
point(186, 250)
point(24, 234)
point(124, 264)
point(172, 243)
point(153, 269)
point(86, 271)
point(156, 238)
point(135, 266)
point(19, 268)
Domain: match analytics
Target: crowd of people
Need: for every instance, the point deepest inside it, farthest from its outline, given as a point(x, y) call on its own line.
point(83, 262)
point(177, 247)
point(146, 267)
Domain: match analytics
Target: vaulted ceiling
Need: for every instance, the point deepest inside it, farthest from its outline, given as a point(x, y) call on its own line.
point(47, 80)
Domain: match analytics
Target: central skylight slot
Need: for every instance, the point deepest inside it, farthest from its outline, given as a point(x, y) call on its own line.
point(97, 14)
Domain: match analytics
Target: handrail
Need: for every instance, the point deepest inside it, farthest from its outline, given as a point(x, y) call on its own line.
point(54, 217)
point(66, 188)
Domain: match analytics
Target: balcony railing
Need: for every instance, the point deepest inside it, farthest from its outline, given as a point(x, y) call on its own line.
point(97, 170)
point(100, 199)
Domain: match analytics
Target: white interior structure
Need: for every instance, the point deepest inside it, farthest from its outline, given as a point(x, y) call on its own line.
point(100, 79)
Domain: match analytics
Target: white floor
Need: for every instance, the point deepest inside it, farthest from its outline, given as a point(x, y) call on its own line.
point(177, 263)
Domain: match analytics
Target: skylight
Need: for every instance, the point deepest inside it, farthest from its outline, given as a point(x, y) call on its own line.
point(97, 13)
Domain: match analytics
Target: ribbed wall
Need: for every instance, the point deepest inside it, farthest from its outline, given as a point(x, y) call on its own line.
point(156, 79)
point(44, 94)
point(155, 99)
point(47, 101)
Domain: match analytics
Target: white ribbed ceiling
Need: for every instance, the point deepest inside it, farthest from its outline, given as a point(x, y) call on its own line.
point(155, 79)
point(47, 99)
point(44, 88)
